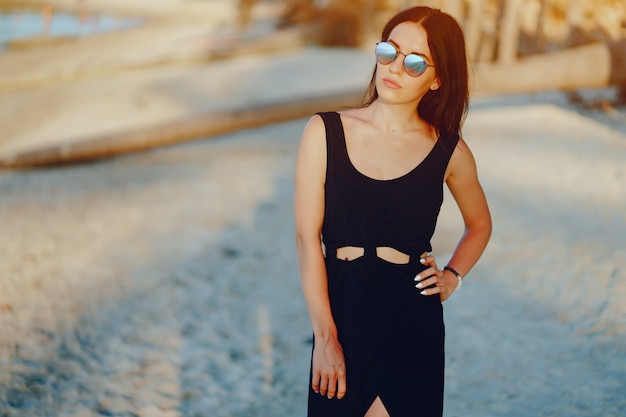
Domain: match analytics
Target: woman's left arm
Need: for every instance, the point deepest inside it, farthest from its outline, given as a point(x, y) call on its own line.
point(462, 180)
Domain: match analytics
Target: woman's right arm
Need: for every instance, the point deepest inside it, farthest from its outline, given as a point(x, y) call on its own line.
point(328, 362)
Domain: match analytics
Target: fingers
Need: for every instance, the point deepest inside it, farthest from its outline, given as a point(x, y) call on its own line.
point(331, 385)
point(341, 391)
point(428, 260)
point(430, 281)
point(315, 382)
point(323, 385)
point(329, 370)
point(332, 388)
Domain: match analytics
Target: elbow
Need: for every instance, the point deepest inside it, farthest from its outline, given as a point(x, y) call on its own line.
point(299, 243)
point(308, 246)
point(484, 228)
point(481, 228)
point(300, 240)
point(305, 242)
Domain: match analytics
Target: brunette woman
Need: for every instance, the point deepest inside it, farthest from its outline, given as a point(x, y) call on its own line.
point(369, 186)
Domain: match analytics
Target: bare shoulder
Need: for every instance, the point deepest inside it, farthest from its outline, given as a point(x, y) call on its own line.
point(314, 135)
point(312, 152)
point(461, 148)
point(462, 152)
point(462, 163)
point(314, 126)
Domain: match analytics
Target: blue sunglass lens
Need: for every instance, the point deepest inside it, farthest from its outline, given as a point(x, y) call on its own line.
point(385, 53)
point(414, 65)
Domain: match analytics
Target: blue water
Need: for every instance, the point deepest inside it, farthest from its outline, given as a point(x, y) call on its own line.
point(19, 25)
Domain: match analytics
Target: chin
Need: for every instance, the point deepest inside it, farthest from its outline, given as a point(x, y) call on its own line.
point(391, 96)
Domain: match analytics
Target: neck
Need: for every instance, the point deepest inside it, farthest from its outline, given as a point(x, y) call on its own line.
point(392, 118)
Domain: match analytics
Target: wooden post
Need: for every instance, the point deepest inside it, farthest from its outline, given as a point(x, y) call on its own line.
point(540, 33)
point(245, 13)
point(473, 28)
point(489, 32)
point(617, 51)
point(509, 32)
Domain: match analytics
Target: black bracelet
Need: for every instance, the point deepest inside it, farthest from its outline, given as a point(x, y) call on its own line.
point(458, 276)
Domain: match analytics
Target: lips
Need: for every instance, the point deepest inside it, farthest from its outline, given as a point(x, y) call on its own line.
point(391, 83)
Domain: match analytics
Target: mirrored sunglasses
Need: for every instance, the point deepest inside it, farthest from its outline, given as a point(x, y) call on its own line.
point(414, 65)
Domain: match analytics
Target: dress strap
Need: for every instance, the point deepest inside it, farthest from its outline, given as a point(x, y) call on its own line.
point(334, 145)
point(449, 145)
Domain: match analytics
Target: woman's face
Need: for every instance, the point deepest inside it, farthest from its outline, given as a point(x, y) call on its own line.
point(393, 84)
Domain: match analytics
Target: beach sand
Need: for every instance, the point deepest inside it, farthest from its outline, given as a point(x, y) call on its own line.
point(165, 283)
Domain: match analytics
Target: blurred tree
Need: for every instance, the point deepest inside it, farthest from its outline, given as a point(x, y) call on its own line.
point(339, 22)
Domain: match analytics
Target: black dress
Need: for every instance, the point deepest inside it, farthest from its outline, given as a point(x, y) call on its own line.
point(392, 336)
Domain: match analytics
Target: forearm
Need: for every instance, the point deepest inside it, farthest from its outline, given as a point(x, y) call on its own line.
point(470, 247)
point(315, 288)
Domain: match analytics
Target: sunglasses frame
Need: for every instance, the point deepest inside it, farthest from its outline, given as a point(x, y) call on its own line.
point(407, 69)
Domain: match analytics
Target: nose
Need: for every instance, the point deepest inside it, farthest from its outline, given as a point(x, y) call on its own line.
point(397, 64)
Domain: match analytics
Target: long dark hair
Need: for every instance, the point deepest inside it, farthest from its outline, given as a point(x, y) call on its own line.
point(446, 107)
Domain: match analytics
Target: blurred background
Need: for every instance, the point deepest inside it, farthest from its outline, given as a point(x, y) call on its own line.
point(147, 149)
point(521, 46)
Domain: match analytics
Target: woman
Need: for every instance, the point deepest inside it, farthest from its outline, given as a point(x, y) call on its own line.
point(369, 185)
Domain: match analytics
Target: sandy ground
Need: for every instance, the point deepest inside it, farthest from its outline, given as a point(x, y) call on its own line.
point(181, 296)
point(165, 283)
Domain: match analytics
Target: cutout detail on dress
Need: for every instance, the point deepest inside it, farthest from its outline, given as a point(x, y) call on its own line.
point(387, 253)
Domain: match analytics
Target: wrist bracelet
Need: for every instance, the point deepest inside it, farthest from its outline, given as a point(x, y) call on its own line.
point(458, 276)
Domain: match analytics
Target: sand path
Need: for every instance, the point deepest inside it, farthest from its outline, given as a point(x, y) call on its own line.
point(165, 283)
